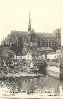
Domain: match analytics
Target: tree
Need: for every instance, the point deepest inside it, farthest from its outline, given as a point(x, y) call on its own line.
point(17, 48)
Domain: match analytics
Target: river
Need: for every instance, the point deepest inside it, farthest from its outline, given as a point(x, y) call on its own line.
point(30, 85)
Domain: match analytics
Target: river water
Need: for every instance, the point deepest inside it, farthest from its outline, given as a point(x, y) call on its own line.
point(30, 85)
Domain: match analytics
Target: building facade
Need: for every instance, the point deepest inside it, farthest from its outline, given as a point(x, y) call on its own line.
point(52, 40)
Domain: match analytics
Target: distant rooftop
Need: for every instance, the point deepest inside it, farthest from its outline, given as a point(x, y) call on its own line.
point(46, 48)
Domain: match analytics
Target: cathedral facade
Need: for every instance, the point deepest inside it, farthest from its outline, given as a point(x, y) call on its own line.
point(52, 40)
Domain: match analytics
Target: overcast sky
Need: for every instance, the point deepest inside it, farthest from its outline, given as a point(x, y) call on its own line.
point(46, 16)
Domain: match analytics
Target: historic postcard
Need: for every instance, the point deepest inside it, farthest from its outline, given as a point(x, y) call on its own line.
point(31, 49)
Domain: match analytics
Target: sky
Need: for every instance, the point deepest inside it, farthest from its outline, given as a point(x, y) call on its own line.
point(46, 16)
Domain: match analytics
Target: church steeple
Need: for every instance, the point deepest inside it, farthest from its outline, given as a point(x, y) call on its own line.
point(29, 25)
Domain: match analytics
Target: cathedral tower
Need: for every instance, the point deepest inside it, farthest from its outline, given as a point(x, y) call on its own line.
point(29, 28)
point(29, 25)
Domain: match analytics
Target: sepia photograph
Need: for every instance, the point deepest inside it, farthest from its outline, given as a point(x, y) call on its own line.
point(31, 49)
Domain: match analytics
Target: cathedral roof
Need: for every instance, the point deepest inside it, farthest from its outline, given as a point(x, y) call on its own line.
point(14, 32)
point(46, 34)
point(22, 33)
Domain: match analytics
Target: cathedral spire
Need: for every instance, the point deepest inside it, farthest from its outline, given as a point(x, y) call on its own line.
point(29, 25)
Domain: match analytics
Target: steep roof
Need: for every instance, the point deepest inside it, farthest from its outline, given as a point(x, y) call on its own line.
point(19, 32)
point(46, 48)
point(46, 34)
point(22, 33)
